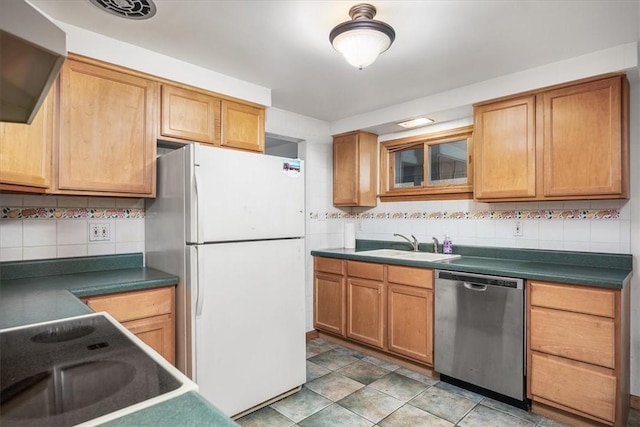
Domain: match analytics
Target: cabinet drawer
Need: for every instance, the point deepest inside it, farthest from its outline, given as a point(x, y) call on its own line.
point(422, 277)
point(135, 305)
point(580, 337)
point(365, 270)
point(573, 385)
point(329, 265)
point(599, 302)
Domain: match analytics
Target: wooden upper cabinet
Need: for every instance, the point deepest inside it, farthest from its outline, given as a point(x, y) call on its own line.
point(354, 169)
point(242, 126)
point(25, 151)
point(505, 154)
point(107, 131)
point(189, 115)
point(583, 143)
point(562, 143)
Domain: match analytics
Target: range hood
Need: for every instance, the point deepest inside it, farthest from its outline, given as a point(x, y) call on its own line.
point(32, 51)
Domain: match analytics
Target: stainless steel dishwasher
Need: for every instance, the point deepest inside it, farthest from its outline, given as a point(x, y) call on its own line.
point(479, 334)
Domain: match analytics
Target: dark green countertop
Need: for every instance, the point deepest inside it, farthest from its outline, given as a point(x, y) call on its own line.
point(44, 290)
point(28, 295)
point(584, 268)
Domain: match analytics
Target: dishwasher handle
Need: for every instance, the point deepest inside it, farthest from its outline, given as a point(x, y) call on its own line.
point(474, 287)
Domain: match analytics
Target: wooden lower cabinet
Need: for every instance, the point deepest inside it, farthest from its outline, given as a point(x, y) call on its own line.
point(387, 307)
point(578, 350)
point(410, 322)
point(149, 314)
point(574, 386)
point(329, 303)
point(329, 295)
point(366, 302)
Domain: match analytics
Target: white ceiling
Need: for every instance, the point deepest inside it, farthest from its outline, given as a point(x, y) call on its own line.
point(440, 45)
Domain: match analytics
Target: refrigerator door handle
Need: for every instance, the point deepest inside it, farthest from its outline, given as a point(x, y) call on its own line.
point(195, 208)
point(200, 284)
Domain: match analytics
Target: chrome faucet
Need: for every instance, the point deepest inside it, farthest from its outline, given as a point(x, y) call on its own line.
point(414, 243)
point(435, 245)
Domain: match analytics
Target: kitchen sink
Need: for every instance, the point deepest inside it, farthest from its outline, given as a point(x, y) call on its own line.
point(416, 256)
point(384, 253)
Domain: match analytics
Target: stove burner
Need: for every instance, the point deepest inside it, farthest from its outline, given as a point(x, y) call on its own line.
point(62, 334)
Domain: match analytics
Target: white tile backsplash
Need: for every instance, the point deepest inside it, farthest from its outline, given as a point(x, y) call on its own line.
point(11, 254)
point(72, 231)
point(129, 230)
point(577, 230)
point(68, 251)
point(39, 201)
point(11, 234)
point(101, 248)
point(39, 252)
point(23, 239)
point(39, 232)
point(11, 200)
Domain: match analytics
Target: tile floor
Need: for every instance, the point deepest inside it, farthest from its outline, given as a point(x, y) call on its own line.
point(347, 388)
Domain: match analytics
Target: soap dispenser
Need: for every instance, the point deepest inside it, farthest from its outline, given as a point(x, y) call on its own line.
point(447, 246)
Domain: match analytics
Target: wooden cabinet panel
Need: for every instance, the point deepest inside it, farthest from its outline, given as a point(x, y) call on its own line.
point(190, 115)
point(329, 265)
point(566, 142)
point(576, 336)
point(25, 151)
point(158, 333)
point(134, 305)
point(580, 299)
point(583, 139)
point(366, 314)
point(505, 149)
point(242, 126)
point(148, 313)
point(354, 169)
point(577, 387)
point(107, 131)
point(421, 277)
point(329, 303)
point(410, 322)
point(365, 270)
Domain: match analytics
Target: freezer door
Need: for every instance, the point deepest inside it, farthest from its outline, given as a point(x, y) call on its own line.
point(250, 331)
point(247, 196)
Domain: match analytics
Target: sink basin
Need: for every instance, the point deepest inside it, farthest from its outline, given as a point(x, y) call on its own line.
point(383, 253)
point(416, 256)
point(428, 256)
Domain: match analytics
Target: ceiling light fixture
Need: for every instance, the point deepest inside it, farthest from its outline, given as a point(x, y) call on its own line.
point(362, 39)
point(420, 121)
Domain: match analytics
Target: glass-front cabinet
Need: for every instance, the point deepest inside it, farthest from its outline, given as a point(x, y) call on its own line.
point(432, 166)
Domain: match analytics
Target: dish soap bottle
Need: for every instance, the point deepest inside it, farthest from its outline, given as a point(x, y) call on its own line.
point(447, 246)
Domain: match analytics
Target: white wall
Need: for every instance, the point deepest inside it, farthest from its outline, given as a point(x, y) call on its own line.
point(635, 236)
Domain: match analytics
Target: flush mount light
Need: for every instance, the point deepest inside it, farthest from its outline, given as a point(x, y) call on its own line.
point(129, 9)
point(362, 39)
point(420, 121)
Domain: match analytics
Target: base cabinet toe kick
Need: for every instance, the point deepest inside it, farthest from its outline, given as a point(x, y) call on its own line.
point(560, 349)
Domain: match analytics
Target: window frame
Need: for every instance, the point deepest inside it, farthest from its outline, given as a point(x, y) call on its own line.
point(426, 192)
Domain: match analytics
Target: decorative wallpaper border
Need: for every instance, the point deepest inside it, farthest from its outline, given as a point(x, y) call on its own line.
point(70, 213)
point(535, 214)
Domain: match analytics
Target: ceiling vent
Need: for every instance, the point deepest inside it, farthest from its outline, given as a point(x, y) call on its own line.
point(130, 9)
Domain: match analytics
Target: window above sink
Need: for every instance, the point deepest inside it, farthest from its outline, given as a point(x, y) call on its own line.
point(424, 167)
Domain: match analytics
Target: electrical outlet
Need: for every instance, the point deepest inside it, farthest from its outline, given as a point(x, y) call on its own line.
point(99, 232)
point(517, 229)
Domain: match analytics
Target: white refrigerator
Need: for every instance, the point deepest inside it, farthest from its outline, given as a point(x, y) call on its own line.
point(230, 224)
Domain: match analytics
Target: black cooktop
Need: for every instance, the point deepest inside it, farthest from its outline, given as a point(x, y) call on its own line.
point(74, 370)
